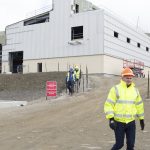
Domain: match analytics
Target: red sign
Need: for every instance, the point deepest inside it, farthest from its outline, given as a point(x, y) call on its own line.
point(51, 88)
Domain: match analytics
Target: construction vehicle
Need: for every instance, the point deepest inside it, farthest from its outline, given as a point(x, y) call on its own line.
point(136, 66)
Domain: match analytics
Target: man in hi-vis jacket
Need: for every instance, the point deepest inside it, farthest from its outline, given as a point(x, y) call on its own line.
point(122, 106)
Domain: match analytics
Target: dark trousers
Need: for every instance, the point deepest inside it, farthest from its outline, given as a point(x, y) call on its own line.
point(70, 86)
point(121, 130)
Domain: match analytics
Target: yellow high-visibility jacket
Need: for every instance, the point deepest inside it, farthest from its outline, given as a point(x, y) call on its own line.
point(77, 74)
point(124, 103)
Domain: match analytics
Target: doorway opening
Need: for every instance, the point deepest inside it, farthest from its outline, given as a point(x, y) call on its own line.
point(39, 67)
point(16, 62)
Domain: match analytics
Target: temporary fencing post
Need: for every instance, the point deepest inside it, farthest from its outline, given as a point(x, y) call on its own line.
point(68, 67)
point(78, 82)
point(83, 83)
point(58, 66)
point(66, 87)
point(148, 87)
point(86, 77)
point(28, 68)
point(45, 67)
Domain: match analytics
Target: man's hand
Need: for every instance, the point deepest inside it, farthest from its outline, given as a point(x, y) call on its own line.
point(142, 124)
point(112, 124)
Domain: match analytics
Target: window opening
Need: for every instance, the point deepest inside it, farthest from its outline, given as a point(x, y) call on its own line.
point(16, 61)
point(37, 19)
point(77, 8)
point(39, 67)
point(128, 40)
point(147, 49)
point(116, 34)
point(138, 45)
point(77, 32)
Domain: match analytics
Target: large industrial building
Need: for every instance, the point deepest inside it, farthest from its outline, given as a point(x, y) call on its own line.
point(74, 32)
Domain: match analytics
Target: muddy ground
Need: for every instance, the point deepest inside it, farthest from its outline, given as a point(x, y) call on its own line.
point(68, 123)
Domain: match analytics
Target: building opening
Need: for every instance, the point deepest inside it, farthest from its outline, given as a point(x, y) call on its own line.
point(77, 8)
point(39, 67)
point(37, 19)
point(16, 62)
point(77, 32)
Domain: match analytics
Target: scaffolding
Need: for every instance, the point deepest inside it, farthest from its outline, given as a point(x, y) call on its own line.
point(136, 66)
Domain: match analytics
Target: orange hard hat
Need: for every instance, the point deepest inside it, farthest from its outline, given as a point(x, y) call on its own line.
point(127, 72)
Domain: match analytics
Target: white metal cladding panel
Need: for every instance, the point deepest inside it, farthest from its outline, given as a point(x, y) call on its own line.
point(116, 47)
point(13, 28)
point(121, 52)
point(51, 40)
point(13, 32)
point(122, 42)
point(14, 38)
point(109, 30)
point(114, 23)
point(93, 33)
point(48, 40)
point(119, 47)
point(63, 36)
point(34, 42)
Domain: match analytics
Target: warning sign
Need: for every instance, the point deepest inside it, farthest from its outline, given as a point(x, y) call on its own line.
point(51, 88)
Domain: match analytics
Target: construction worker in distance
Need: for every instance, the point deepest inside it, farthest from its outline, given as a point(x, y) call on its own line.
point(122, 106)
point(70, 81)
point(77, 74)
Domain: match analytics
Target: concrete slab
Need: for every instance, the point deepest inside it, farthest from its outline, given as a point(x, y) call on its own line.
point(10, 103)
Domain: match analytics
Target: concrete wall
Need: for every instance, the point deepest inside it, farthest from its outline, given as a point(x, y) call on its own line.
point(94, 64)
point(112, 65)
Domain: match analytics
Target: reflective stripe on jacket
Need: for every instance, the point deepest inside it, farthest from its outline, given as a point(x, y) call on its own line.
point(124, 104)
point(72, 78)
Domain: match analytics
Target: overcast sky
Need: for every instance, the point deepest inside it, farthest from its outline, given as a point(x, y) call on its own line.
point(135, 12)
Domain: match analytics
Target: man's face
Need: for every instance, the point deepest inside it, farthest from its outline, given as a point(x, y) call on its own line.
point(127, 79)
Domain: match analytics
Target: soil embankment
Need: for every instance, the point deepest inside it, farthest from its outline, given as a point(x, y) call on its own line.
point(28, 86)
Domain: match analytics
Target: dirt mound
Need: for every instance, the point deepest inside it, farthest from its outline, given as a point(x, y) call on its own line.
point(28, 86)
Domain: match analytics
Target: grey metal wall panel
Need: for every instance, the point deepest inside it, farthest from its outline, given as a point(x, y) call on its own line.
point(51, 39)
point(119, 47)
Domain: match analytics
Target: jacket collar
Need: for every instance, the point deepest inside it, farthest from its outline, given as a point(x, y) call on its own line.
point(125, 85)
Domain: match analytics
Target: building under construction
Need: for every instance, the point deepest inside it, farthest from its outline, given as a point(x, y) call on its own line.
point(73, 32)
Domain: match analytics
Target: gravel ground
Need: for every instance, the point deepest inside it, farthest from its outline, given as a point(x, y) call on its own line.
point(68, 122)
